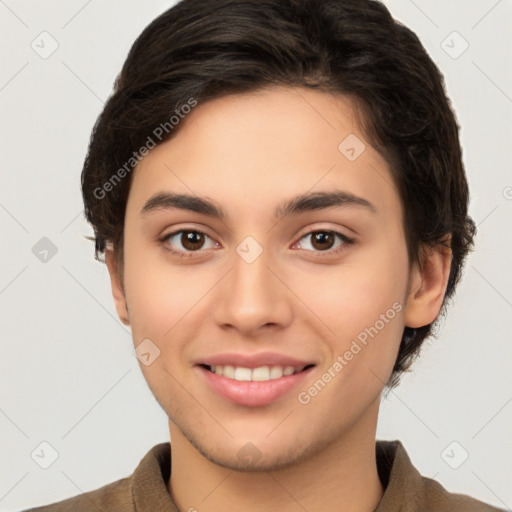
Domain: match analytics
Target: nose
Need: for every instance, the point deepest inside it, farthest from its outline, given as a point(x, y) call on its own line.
point(252, 297)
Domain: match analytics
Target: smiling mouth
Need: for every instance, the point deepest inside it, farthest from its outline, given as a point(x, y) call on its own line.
point(259, 374)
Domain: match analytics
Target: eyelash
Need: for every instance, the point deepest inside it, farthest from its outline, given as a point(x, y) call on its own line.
point(346, 241)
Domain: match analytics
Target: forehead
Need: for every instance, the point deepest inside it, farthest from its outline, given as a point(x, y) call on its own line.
point(261, 147)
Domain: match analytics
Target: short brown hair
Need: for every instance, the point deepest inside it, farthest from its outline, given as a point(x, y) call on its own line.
point(205, 49)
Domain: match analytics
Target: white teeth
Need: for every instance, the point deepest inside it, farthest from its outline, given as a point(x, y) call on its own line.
point(243, 373)
point(276, 372)
point(260, 374)
point(228, 371)
point(289, 370)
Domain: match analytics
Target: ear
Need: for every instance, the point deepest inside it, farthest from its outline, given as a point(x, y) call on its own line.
point(117, 287)
point(427, 288)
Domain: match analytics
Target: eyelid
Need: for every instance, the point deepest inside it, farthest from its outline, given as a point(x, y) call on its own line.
point(183, 229)
point(343, 231)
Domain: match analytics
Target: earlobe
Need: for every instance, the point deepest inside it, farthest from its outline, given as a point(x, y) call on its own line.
point(427, 288)
point(117, 287)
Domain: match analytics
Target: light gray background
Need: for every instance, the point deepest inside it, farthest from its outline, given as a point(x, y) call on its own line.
point(68, 372)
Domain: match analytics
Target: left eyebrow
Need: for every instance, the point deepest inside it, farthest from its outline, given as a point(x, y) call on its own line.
point(300, 204)
point(320, 200)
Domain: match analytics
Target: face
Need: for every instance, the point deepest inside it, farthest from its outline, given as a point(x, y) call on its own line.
point(272, 316)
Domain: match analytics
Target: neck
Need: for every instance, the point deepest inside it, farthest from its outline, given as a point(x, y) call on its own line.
point(343, 475)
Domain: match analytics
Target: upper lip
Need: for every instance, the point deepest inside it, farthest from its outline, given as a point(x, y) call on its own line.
point(253, 360)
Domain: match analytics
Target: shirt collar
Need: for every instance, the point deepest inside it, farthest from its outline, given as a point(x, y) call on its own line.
point(402, 482)
point(149, 481)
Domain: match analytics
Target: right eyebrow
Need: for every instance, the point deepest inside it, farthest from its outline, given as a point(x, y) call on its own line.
point(167, 201)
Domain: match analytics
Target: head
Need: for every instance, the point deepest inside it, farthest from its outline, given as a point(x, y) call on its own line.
point(250, 104)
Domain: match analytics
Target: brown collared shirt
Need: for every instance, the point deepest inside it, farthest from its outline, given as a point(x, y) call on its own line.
point(405, 490)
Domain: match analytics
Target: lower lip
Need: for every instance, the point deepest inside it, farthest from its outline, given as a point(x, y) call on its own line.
point(253, 394)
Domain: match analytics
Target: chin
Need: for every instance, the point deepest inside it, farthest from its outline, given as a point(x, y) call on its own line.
point(251, 463)
point(247, 456)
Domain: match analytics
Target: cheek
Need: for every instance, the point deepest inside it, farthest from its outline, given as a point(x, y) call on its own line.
point(353, 295)
point(362, 302)
point(160, 301)
point(157, 295)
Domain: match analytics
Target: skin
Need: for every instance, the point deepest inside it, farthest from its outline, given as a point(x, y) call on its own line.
point(249, 154)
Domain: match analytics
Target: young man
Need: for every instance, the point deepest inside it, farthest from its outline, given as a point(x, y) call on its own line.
point(278, 191)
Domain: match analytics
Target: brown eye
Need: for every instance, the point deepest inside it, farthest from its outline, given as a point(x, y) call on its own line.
point(324, 241)
point(187, 241)
point(192, 240)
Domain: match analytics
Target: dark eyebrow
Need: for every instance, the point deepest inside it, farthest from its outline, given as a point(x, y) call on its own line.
point(320, 200)
point(168, 200)
point(303, 203)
